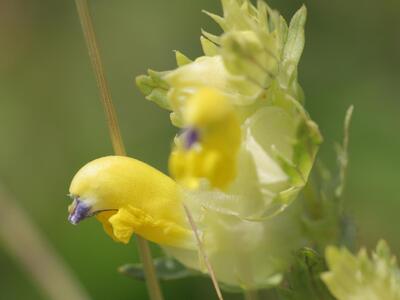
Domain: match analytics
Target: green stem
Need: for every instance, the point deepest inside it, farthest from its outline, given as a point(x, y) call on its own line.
point(115, 133)
point(251, 295)
point(95, 58)
point(153, 286)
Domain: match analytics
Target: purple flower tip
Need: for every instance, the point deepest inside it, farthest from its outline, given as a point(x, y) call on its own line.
point(79, 212)
point(191, 137)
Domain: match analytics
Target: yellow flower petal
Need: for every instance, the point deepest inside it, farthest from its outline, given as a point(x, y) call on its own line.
point(213, 156)
point(130, 220)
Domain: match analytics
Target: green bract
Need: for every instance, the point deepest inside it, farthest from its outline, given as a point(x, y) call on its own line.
point(243, 254)
point(361, 277)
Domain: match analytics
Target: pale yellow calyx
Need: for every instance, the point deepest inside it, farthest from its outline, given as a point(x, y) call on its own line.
point(362, 277)
point(128, 196)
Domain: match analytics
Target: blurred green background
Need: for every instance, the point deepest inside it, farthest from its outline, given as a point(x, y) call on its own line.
point(51, 121)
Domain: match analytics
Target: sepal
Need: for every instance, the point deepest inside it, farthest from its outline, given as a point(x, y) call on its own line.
point(154, 87)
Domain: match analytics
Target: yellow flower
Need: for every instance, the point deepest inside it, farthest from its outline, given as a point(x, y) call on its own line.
point(210, 144)
point(128, 196)
point(245, 152)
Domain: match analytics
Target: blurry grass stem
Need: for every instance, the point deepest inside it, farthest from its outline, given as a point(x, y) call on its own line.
point(115, 133)
point(21, 237)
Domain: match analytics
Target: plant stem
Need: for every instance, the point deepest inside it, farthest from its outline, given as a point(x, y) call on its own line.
point(95, 58)
point(115, 133)
point(251, 295)
point(153, 286)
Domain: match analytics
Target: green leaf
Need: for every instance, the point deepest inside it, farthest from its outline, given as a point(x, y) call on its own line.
point(294, 45)
point(166, 269)
point(304, 281)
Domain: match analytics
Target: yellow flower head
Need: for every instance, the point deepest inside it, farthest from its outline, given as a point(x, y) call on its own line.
point(247, 145)
point(128, 196)
point(264, 147)
point(246, 136)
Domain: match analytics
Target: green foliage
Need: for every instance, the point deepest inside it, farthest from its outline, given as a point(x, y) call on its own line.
point(166, 269)
point(303, 281)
